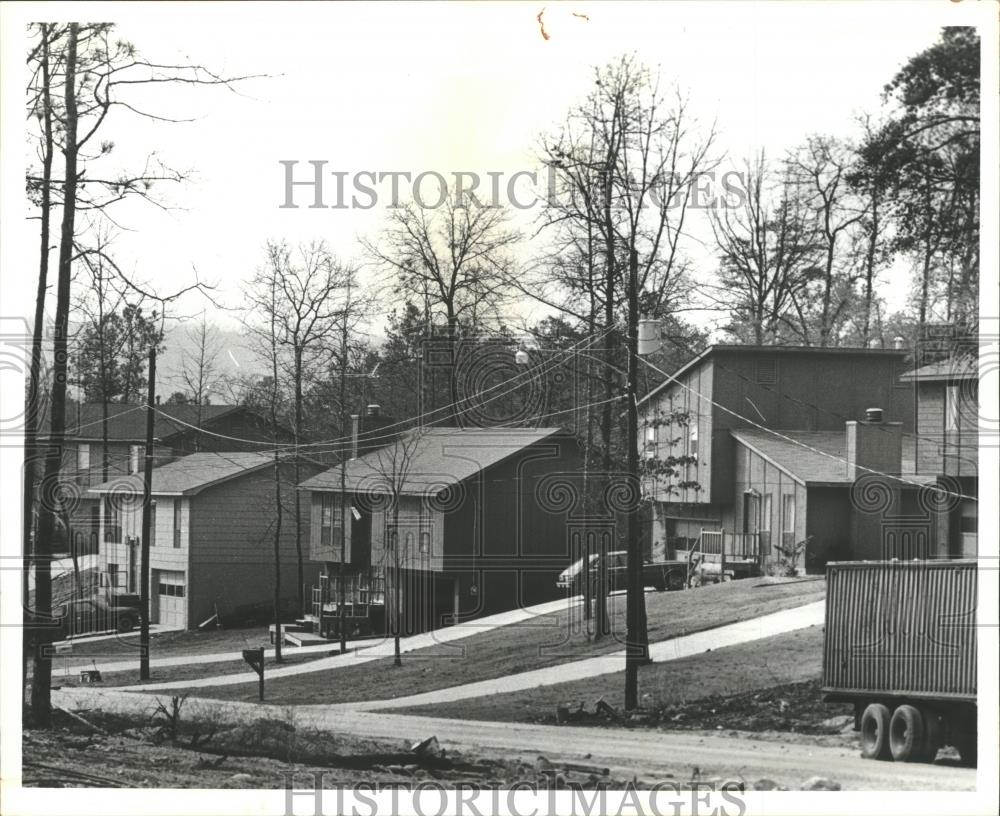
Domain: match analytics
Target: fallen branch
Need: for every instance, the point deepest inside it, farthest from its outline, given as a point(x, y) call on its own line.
point(82, 721)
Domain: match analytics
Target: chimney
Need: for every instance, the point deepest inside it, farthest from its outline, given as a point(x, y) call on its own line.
point(874, 445)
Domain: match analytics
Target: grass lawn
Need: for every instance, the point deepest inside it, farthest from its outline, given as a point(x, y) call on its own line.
point(165, 644)
point(792, 658)
point(187, 671)
point(543, 641)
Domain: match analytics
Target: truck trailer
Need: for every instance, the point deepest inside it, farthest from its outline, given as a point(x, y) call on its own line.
point(900, 644)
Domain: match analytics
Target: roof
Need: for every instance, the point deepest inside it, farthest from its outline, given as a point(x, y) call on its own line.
point(434, 459)
point(743, 349)
point(816, 457)
point(805, 465)
point(190, 474)
point(952, 369)
point(127, 421)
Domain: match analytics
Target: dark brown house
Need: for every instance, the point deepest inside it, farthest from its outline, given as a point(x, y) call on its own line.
point(752, 484)
point(474, 533)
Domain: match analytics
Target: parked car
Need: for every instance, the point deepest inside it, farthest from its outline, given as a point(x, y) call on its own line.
point(91, 615)
point(658, 574)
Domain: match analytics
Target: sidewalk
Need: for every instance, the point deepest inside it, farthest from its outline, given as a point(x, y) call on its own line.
point(361, 651)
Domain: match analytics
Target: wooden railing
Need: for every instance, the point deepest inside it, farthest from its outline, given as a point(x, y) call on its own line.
point(731, 545)
point(361, 590)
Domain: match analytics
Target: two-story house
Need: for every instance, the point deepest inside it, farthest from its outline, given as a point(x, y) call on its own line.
point(177, 431)
point(213, 518)
point(463, 517)
point(767, 431)
point(947, 445)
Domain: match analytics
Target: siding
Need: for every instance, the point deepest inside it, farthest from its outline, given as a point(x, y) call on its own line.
point(232, 544)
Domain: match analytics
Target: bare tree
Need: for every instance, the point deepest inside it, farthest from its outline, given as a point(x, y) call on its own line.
point(199, 368)
point(767, 254)
point(392, 466)
point(301, 295)
point(822, 168)
point(76, 73)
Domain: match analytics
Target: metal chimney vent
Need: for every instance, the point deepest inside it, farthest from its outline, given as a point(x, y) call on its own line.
point(873, 415)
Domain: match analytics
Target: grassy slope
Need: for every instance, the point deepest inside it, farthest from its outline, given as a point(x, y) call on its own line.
point(794, 657)
point(544, 641)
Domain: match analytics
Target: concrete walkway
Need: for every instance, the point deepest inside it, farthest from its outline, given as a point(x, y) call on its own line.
point(362, 651)
point(788, 620)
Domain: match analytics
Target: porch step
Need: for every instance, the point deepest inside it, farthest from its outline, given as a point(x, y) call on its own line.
point(306, 639)
point(287, 628)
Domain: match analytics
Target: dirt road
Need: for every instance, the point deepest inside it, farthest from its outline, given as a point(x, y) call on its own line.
point(653, 755)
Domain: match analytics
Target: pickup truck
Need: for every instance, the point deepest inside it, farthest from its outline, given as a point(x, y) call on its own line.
point(660, 575)
point(91, 615)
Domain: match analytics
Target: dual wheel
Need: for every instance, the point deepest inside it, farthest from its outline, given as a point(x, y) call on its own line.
point(908, 734)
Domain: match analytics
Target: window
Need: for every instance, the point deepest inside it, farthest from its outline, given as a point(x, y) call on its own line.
point(83, 458)
point(112, 524)
point(173, 590)
point(765, 517)
point(650, 436)
point(112, 575)
point(788, 513)
point(693, 439)
point(133, 459)
point(329, 520)
point(177, 523)
point(952, 395)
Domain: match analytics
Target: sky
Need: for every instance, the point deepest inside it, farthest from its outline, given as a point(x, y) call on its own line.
point(440, 87)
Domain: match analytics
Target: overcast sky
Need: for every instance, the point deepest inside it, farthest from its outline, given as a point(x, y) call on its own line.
point(441, 87)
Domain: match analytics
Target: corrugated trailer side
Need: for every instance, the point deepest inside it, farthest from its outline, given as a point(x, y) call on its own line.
point(900, 642)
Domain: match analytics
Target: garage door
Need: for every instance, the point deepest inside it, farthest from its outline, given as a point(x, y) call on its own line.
point(171, 594)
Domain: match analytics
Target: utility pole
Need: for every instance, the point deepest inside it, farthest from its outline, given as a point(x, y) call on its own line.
point(147, 514)
point(636, 638)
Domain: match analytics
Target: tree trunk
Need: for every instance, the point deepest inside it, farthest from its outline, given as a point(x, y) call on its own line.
point(296, 465)
point(33, 406)
point(41, 687)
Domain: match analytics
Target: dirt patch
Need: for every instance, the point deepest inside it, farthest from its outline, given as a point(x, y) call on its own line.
point(118, 751)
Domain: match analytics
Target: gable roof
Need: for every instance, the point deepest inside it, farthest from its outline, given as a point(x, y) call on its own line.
point(953, 369)
point(127, 421)
point(190, 474)
point(439, 457)
point(783, 350)
point(806, 466)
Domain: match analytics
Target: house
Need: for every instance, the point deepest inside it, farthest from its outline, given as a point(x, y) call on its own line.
point(462, 510)
point(767, 431)
point(947, 446)
point(177, 431)
point(212, 541)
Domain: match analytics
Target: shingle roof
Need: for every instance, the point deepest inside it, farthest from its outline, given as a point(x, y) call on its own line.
point(807, 466)
point(955, 368)
point(127, 422)
point(190, 474)
point(434, 459)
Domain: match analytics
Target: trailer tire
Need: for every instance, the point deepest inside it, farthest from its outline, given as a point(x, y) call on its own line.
point(906, 734)
point(933, 734)
point(875, 732)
